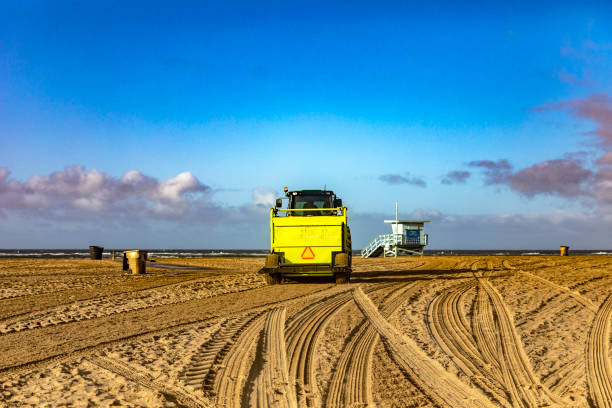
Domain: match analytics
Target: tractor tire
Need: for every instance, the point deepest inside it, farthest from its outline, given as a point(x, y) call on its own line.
point(272, 261)
point(342, 260)
point(273, 279)
point(342, 277)
point(349, 247)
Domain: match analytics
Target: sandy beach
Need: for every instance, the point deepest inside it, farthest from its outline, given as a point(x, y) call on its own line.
point(495, 331)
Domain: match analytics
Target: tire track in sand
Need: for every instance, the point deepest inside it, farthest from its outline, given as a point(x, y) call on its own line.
point(172, 393)
point(485, 332)
point(584, 301)
point(302, 333)
point(439, 385)
point(351, 382)
point(99, 307)
point(271, 386)
point(475, 355)
point(598, 367)
point(200, 371)
point(523, 386)
point(477, 265)
point(226, 356)
point(230, 376)
point(564, 379)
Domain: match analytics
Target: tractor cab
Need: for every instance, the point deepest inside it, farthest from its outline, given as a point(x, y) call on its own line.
point(311, 201)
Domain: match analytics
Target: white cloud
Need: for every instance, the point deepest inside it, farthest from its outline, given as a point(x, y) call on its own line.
point(76, 191)
point(264, 197)
point(174, 189)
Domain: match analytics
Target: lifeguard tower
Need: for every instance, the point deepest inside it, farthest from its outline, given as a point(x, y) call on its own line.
point(408, 238)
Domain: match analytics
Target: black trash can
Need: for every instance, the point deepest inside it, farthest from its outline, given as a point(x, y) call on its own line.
point(95, 252)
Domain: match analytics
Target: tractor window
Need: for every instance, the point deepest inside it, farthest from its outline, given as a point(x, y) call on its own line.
point(307, 202)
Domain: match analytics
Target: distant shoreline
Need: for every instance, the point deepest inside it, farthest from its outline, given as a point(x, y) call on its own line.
point(208, 253)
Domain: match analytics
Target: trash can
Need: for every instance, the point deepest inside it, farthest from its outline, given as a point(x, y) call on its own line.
point(564, 250)
point(137, 260)
point(95, 252)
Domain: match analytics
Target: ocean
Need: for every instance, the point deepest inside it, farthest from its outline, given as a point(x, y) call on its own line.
point(205, 253)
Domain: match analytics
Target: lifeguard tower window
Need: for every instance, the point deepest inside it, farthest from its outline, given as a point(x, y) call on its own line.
point(413, 237)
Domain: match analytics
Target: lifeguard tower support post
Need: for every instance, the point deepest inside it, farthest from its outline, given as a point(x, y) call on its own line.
point(408, 238)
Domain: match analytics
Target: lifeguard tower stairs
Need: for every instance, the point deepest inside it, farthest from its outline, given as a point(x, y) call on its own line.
point(408, 238)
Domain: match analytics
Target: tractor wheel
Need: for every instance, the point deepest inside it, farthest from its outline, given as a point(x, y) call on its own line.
point(271, 270)
point(272, 261)
point(342, 259)
point(273, 279)
point(342, 278)
point(349, 247)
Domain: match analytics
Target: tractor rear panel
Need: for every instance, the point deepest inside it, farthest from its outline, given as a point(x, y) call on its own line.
point(306, 245)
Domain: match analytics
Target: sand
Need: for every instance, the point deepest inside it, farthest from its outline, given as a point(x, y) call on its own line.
point(432, 331)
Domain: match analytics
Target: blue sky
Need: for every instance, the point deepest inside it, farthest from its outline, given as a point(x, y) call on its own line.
point(378, 102)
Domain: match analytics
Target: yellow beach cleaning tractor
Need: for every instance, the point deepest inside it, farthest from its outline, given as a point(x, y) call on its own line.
point(309, 238)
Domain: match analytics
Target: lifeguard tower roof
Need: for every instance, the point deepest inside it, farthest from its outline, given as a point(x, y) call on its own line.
point(410, 229)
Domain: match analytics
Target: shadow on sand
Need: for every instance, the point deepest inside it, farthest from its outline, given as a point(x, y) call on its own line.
point(416, 275)
point(409, 275)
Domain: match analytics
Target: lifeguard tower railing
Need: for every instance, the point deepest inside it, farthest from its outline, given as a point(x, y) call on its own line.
point(394, 245)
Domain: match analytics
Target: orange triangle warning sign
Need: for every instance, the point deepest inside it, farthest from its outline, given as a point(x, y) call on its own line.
point(305, 255)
